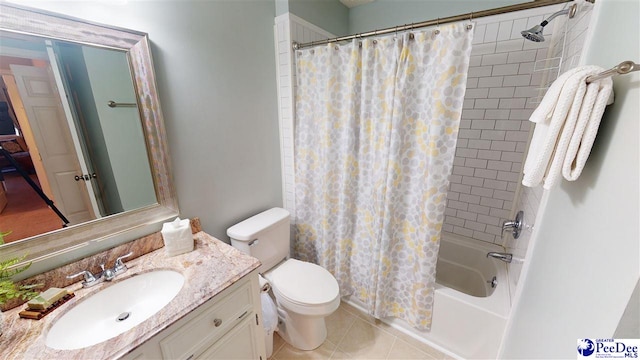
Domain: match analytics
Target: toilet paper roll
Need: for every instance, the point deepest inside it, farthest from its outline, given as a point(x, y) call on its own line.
point(264, 284)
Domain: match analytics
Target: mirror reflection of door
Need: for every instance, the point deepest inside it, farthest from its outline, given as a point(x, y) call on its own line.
point(52, 134)
point(25, 213)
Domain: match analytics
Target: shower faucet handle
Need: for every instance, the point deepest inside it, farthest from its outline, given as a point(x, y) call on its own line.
point(515, 226)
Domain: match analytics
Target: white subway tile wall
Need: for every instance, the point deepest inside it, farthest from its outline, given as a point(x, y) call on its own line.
point(529, 199)
point(494, 129)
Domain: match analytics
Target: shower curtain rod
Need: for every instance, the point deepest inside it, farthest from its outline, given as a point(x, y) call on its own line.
point(450, 19)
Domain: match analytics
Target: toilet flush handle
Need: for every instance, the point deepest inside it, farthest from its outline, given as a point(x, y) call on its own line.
point(254, 242)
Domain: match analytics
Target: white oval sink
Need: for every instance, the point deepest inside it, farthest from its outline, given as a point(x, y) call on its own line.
point(114, 310)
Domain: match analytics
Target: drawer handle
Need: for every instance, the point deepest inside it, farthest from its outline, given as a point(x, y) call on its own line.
point(217, 322)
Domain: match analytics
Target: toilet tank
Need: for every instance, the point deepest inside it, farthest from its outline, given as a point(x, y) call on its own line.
point(264, 236)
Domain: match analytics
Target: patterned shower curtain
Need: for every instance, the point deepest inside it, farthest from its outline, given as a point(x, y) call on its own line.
point(375, 136)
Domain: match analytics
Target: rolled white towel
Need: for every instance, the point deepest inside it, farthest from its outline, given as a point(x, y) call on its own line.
point(548, 117)
point(561, 119)
point(599, 95)
point(575, 92)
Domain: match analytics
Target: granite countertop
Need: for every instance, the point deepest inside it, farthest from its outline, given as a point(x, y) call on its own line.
point(209, 269)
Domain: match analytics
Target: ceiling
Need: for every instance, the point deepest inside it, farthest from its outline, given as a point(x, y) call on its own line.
point(354, 3)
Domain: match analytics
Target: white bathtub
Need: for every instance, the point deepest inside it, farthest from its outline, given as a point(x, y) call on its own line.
point(469, 316)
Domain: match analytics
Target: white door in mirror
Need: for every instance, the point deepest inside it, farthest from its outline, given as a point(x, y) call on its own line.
point(54, 142)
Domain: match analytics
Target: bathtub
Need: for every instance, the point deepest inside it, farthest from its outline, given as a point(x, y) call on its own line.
point(469, 315)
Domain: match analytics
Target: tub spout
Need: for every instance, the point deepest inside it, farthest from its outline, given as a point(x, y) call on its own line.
point(506, 257)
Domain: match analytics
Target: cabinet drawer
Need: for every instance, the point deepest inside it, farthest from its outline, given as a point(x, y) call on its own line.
point(199, 334)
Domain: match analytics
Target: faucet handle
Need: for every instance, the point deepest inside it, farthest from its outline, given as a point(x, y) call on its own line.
point(119, 265)
point(515, 225)
point(89, 279)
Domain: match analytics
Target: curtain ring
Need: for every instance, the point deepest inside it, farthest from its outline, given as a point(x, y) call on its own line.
point(470, 26)
point(437, 30)
point(411, 36)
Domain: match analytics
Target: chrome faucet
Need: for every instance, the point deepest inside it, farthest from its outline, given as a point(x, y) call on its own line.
point(515, 226)
point(506, 257)
point(89, 279)
point(119, 267)
point(105, 275)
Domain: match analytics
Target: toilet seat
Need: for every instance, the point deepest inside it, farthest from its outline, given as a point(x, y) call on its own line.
point(305, 288)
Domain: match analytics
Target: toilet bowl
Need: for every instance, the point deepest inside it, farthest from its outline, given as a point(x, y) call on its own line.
point(305, 293)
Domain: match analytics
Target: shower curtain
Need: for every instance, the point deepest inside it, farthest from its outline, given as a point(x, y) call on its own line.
point(375, 136)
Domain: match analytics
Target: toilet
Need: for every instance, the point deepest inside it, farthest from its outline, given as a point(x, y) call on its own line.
point(305, 293)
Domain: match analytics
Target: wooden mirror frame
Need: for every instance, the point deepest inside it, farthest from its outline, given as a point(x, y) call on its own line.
point(44, 24)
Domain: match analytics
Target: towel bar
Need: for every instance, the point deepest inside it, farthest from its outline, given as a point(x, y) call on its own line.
point(624, 67)
point(113, 104)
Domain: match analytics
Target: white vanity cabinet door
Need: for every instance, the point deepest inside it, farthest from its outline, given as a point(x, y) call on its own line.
point(228, 326)
point(221, 316)
point(238, 344)
point(148, 350)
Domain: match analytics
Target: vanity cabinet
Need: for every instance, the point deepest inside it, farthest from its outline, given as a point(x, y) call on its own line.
point(228, 326)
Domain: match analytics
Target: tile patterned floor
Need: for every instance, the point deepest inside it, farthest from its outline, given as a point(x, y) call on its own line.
point(353, 335)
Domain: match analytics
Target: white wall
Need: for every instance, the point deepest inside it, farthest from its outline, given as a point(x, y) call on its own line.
point(110, 80)
point(629, 326)
point(290, 28)
point(331, 15)
point(387, 13)
point(585, 262)
point(215, 66)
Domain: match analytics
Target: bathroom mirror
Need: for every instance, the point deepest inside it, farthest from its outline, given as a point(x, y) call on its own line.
point(126, 141)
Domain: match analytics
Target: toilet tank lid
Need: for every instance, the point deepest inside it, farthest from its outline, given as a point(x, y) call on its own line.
point(248, 229)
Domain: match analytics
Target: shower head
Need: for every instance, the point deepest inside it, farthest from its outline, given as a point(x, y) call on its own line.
point(535, 33)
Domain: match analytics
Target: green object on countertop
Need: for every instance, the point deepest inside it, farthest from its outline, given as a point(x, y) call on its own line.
point(8, 289)
point(46, 299)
